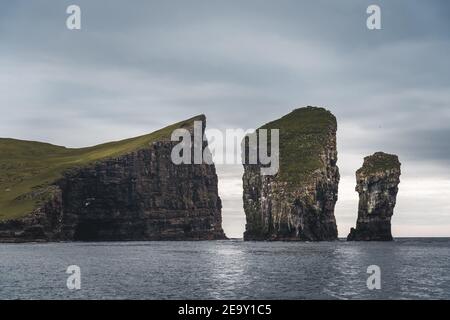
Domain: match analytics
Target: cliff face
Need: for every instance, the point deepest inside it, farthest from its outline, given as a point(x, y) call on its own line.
point(137, 195)
point(298, 202)
point(377, 184)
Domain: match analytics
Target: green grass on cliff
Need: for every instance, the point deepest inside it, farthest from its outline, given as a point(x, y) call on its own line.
point(29, 167)
point(379, 162)
point(303, 136)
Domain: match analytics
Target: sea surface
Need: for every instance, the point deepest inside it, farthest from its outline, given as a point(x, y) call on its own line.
point(410, 269)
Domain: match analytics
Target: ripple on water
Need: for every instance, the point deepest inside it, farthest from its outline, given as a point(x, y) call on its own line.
point(411, 269)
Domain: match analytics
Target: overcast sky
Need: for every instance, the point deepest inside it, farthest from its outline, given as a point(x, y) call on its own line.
point(136, 66)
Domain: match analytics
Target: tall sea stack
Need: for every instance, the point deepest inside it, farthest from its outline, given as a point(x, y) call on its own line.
point(297, 203)
point(124, 190)
point(377, 184)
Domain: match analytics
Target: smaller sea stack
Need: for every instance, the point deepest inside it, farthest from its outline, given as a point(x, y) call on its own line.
point(377, 184)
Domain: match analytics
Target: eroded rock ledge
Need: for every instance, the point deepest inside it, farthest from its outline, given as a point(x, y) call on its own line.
point(377, 184)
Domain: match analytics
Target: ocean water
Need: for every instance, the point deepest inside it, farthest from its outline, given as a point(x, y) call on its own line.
point(410, 269)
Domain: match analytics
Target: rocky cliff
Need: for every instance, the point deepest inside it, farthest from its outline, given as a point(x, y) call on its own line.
point(377, 184)
point(297, 203)
point(125, 190)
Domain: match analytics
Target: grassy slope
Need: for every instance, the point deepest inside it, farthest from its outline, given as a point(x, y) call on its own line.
point(303, 134)
point(27, 166)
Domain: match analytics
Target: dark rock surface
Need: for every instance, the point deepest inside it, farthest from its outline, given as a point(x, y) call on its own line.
point(377, 184)
point(298, 202)
point(140, 195)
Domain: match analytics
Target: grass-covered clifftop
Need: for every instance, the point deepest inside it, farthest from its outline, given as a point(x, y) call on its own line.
point(29, 167)
point(379, 162)
point(304, 134)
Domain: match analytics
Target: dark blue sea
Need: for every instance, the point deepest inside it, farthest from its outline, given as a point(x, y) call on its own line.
point(409, 269)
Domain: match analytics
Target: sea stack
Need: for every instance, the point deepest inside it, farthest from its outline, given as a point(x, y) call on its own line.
point(118, 191)
point(377, 184)
point(297, 203)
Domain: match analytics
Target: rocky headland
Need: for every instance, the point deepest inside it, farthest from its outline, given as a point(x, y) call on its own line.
point(124, 190)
